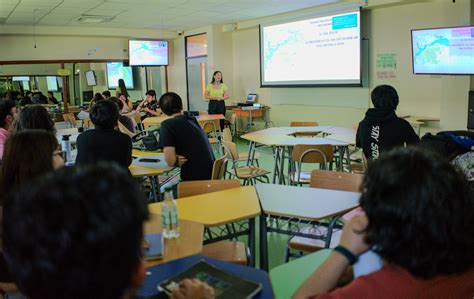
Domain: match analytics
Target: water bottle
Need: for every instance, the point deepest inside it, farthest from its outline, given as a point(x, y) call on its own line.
point(66, 145)
point(169, 215)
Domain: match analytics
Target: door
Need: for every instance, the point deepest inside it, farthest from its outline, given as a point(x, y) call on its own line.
point(197, 70)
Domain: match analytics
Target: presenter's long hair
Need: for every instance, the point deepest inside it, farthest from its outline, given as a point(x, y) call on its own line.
point(214, 80)
point(123, 88)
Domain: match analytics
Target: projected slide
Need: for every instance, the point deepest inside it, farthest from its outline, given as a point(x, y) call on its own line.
point(317, 51)
point(443, 51)
point(116, 71)
point(148, 52)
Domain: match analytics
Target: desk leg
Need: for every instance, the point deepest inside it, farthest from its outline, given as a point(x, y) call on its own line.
point(348, 155)
point(276, 154)
point(282, 166)
point(263, 243)
point(251, 153)
point(251, 242)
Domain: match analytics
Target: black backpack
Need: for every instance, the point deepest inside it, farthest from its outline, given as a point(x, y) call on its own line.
point(444, 145)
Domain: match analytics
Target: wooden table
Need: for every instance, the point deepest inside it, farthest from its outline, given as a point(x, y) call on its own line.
point(157, 120)
point(287, 278)
point(188, 243)
point(250, 113)
point(283, 139)
point(303, 205)
point(220, 208)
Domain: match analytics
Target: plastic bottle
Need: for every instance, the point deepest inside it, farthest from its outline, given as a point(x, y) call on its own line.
point(169, 215)
point(66, 145)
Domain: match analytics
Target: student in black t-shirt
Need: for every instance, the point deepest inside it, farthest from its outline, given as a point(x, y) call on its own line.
point(104, 143)
point(184, 142)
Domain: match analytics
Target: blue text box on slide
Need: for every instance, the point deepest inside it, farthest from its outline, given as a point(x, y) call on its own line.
point(344, 21)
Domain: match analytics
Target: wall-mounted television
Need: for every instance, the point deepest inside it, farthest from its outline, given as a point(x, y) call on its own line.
point(21, 78)
point(318, 50)
point(148, 52)
point(90, 78)
point(443, 50)
point(52, 83)
point(116, 71)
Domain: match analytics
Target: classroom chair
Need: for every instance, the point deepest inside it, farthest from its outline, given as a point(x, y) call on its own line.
point(321, 154)
point(229, 251)
point(212, 128)
point(242, 157)
point(249, 174)
point(87, 123)
point(323, 179)
point(305, 124)
point(70, 119)
point(219, 168)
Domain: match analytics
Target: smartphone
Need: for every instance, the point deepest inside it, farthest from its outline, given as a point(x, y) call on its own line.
point(149, 160)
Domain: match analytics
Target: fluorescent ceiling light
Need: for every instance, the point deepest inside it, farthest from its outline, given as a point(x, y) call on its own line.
point(94, 19)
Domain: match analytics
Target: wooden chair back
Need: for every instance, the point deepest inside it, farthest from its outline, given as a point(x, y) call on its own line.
point(231, 149)
point(70, 118)
point(88, 123)
point(227, 134)
point(210, 126)
point(190, 188)
point(304, 124)
point(137, 118)
point(344, 181)
point(219, 168)
point(319, 153)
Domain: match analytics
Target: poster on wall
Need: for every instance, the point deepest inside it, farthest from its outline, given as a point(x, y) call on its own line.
point(386, 64)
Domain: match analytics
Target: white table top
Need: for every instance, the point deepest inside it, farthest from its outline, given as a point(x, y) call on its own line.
point(305, 203)
point(281, 136)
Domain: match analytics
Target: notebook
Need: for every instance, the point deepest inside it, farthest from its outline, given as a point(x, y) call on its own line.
point(225, 284)
point(154, 248)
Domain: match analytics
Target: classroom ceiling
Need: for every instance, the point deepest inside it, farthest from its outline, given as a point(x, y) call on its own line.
point(155, 14)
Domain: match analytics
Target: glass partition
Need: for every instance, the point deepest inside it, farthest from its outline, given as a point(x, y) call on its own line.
point(82, 82)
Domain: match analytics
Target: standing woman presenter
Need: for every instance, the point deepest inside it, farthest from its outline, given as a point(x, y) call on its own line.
point(217, 93)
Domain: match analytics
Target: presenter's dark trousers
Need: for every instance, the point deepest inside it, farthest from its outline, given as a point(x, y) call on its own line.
point(217, 107)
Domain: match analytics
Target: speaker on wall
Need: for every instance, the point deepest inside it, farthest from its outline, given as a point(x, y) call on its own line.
point(470, 111)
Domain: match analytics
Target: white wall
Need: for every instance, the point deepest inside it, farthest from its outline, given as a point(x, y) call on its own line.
point(388, 29)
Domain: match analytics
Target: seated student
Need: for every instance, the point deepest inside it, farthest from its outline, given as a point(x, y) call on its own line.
point(126, 121)
point(8, 113)
point(184, 142)
point(97, 98)
point(33, 117)
point(419, 218)
point(106, 94)
point(104, 142)
point(150, 105)
point(382, 129)
point(27, 100)
point(74, 242)
point(28, 154)
point(52, 99)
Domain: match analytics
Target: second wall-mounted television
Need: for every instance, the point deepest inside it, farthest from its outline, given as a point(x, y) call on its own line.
point(443, 50)
point(148, 52)
point(116, 71)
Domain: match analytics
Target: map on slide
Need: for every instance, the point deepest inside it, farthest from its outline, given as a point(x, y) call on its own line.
point(321, 48)
point(447, 50)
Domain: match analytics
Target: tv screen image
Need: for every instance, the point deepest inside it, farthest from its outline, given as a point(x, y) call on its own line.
point(443, 50)
point(148, 52)
point(116, 71)
point(52, 83)
point(322, 50)
point(90, 78)
point(21, 78)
